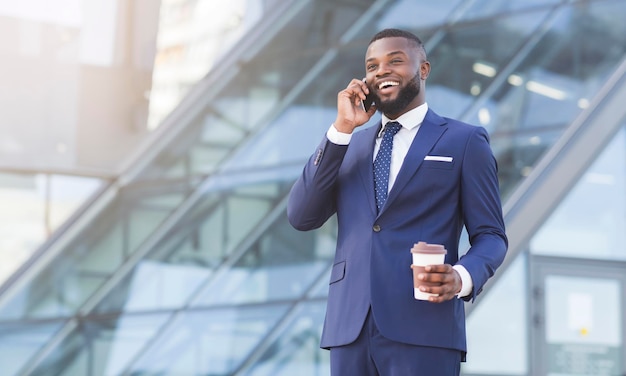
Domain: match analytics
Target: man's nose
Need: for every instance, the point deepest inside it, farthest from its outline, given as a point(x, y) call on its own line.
point(383, 69)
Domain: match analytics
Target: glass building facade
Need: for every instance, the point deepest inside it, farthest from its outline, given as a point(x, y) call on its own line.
point(185, 263)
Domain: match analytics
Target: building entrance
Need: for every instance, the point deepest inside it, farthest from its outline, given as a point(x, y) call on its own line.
point(577, 311)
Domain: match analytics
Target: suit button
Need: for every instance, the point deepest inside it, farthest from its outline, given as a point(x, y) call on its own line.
point(376, 228)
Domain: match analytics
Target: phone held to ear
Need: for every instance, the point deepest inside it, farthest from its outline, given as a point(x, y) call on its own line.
point(367, 102)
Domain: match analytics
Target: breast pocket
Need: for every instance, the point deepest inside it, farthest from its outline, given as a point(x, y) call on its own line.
point(441, 165)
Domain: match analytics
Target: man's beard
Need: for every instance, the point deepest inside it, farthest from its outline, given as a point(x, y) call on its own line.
point(405, 96)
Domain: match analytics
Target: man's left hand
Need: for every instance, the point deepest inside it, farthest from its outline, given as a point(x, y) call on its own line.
point(443, 281)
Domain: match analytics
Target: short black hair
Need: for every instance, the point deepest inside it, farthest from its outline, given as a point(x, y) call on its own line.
point(390, 33)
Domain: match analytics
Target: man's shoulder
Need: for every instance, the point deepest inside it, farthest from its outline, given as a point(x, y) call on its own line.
point(365, 131)
point(454, 124)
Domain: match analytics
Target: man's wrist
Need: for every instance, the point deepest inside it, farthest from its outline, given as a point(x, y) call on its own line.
point(336, 137)
point(467, 284)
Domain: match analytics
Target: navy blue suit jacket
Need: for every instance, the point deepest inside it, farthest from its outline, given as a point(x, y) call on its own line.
point(431, 200)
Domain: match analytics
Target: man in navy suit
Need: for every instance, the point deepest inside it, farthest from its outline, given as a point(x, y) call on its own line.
point(442, 176)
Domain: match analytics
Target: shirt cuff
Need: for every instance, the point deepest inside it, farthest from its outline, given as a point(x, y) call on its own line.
point(466, 281)
point(337, 137)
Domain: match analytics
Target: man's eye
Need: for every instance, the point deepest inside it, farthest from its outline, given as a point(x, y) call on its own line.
point(396, 61)
point(370, 67)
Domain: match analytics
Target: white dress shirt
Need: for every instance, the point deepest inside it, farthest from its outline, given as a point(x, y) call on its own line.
point(411, 122)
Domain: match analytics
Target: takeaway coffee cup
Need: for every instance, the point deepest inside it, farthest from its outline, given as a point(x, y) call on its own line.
point(425, 254)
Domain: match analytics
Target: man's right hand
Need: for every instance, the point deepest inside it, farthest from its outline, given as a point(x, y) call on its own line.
point(350, 112)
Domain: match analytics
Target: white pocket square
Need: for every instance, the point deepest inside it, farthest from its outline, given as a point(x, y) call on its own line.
point(437, 158)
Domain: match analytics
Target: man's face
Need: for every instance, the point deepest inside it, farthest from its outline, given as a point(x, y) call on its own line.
point(395, 69)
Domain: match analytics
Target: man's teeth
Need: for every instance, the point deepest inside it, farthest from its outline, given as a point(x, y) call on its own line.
point(387, 83)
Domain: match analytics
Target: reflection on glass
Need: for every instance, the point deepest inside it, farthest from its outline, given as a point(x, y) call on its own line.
point(469, 58)
point(23, 221)
point(321, 288)
point(489, 8)
point(295, 348)
point(282, 264)
point(33, 207)
point(214, 237)
point(19, 342)
point(537, 94)
point(591, 219)
point(211, 342)
point(65, 284)
point(101, 346)
point(303, 138)
point(66, 194)
point(497, 332)
point(188, 45)
point(407, 14)
point(154, 285)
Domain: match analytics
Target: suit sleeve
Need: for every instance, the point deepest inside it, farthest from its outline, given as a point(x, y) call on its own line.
point(312, 199)
point(482, 211)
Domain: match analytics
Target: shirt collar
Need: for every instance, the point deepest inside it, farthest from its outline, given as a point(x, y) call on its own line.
point(409, 120)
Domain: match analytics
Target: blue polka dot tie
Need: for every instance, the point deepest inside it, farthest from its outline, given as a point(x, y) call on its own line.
point(383, 162)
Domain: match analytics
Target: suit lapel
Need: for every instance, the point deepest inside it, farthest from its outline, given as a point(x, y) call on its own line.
point(430, 131)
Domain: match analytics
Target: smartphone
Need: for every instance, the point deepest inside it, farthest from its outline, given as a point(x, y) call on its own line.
point(367, 102)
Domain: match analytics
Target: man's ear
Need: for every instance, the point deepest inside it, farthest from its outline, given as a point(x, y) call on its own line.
point(424, 70)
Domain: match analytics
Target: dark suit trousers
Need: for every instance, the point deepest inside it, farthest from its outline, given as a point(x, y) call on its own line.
point(373, 355)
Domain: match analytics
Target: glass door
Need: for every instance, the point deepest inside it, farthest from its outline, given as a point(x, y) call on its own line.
point(578, 317)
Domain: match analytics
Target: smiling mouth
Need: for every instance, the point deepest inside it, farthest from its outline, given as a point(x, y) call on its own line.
point(387, 84)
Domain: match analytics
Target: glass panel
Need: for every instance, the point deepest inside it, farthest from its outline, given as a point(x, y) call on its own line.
point(212, 342)
point(188, 46)
point(281, 264)
point(34, 206)
point(320, 290)
point(22, 220)
point(101, 346)
point(134, 216)
point(468, 59)
point(295, 350)
point(447, 56)
point(188, 256)
point(553, 84)
point(497, 330)
point(66, 195)
point(126, 224)
point(90, 260)
point(19, 342)
point(302, 138)
point(155, 285)
point(259, 92)
point(489, 8)
point(473, 62)
point(583, 326)
point(590, 221)
point(411, 14)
